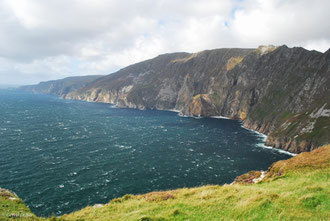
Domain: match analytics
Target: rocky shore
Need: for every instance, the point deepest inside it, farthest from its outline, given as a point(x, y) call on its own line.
point(278, 91)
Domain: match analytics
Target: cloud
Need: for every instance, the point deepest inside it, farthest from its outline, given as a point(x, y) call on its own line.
point(294, 22)
point(43, 40)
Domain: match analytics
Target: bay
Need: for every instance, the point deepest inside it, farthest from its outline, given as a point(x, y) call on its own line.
point(62, 155)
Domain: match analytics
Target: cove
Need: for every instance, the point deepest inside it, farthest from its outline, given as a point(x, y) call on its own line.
point(62, 155)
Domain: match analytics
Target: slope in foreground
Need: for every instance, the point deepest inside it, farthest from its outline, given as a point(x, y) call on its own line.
point(297, 188)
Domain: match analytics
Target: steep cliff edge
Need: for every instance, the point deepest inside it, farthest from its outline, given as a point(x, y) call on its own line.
point(279, 91)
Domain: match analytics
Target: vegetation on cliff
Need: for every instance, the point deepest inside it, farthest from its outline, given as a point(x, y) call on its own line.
point(274, 90)
point(279, 91)
point(294, 189)
point(12, 207)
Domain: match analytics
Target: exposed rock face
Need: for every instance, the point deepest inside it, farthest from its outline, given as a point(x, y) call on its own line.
point(280, 91)
point(61, 87)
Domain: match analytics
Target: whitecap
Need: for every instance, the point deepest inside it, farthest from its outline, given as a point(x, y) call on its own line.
point(72, 173)
point(123, 147)
point(104, 174)
point(182, 115)
point(278, 150)
point(61, 186)
point(35, 148)
point(262, 144)
point(174, 110)
point(39, 205)
point(220, 117)
point(60, 124)
point(94, 151)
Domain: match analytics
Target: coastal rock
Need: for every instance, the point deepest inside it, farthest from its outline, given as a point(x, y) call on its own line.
point(278, 91)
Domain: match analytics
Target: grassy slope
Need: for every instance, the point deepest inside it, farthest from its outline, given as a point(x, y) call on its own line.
point(297, 188)
point(12, 206)
point(294, 189)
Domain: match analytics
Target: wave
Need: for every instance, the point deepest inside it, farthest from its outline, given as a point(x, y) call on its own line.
point(220, 117)
point(264, 138)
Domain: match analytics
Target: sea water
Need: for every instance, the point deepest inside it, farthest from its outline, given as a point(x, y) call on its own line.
point(62, 155)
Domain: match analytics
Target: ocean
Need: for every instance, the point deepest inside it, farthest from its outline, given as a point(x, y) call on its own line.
point(62, 155)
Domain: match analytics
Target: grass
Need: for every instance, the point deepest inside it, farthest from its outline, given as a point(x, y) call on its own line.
point(233, 61)
point(12, 207)
point(294, 189)
point(186, 59)
point(321, 131)
point(297, 188)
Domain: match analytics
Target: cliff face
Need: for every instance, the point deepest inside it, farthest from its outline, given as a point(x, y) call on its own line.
point(280, 91)
point(61, 87)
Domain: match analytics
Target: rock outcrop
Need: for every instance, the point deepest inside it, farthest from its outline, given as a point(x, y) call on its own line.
point(279, 91)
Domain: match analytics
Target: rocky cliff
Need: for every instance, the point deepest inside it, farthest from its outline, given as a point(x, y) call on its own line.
point(61, 87)
point(279, 91)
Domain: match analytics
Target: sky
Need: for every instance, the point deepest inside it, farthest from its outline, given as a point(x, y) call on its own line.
point(43, 40)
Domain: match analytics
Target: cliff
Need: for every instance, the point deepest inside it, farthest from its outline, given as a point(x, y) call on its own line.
point(279, 91)
point(61, 87)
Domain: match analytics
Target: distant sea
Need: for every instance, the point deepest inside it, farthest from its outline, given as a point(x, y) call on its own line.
point(62, 155)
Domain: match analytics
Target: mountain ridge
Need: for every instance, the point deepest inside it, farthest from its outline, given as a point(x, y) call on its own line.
point(273, 90)
point(62, 86)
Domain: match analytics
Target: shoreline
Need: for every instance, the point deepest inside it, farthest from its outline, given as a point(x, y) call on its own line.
point(264, 136)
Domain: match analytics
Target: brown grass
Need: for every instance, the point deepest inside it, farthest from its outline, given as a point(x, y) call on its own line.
point(233, 61)
point(317, 159)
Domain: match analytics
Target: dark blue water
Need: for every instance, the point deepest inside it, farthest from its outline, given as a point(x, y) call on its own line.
point(61, 155)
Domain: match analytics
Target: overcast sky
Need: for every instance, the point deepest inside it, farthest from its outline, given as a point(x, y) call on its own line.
point(50, 39)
